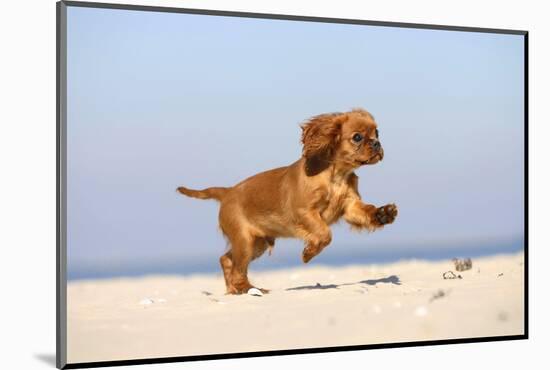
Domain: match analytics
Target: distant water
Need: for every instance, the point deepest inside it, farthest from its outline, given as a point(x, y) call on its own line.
point(332, 256)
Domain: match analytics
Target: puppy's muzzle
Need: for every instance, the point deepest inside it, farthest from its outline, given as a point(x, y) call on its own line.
point(375, 145)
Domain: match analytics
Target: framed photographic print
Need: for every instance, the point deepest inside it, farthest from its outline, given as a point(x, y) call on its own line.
point(239, 184)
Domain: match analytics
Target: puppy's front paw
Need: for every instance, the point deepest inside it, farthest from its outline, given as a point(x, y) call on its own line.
point(309, 252)
point(386, 214)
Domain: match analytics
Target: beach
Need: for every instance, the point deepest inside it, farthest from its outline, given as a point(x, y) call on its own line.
point(308, 307)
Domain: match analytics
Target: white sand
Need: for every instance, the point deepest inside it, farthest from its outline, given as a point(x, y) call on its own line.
point(159, 316)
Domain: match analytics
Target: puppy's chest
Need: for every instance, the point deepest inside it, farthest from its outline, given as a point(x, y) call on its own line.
point(333, 202)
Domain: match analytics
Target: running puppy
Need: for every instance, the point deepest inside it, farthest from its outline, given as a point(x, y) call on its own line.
point(303, 199)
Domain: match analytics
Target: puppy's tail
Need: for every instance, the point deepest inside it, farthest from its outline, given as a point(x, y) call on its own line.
point(209, 193)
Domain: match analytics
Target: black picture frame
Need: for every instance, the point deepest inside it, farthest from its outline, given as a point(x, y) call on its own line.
point(61, 162)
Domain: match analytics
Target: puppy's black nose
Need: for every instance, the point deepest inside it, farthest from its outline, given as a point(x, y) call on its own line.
point(375, 144)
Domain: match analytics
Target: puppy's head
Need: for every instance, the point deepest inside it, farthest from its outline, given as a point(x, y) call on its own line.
point(347, 140)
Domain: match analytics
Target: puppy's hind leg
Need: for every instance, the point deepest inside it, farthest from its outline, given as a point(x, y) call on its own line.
point(226, 263)
point(243, 243)
point(244, 248)
point(242, 253)
point(260, 246)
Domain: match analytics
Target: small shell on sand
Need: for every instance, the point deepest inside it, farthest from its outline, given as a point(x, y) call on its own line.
point(149, 301)
point(421, 311)
point(146, 301)
point(255, 292)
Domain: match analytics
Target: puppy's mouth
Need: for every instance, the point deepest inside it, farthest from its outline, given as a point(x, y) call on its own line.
point(372, 160)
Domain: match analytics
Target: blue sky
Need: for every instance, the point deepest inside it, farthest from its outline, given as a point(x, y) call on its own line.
point(158, 100)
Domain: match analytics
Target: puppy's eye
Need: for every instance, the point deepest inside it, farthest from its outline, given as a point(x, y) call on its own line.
point(376, 132)
point(357, 138)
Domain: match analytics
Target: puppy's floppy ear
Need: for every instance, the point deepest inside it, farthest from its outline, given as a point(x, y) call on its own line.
point(320, 136)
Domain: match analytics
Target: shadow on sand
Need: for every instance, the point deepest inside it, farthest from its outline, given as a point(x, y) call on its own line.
point(393, 279)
